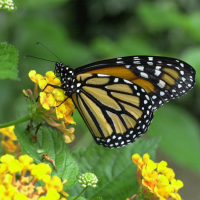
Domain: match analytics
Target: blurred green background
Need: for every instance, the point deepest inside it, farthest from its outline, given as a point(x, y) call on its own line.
point(80, 32)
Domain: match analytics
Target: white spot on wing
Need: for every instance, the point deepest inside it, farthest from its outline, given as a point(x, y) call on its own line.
point(141, 68)
point(158, 67)
point(116, 80)
point(126, 81)
point(136, 62)
point(150, 63)
point(144, 75)
point(182, 72)
point(162, 93)
point(119, 62)
point(183, 79)
point(154, 97)
point(161, 84)
point(157, 72)
point(150, 58)
point(136, 58)
point(147, 97)
point(102, 75)
point(78, 84)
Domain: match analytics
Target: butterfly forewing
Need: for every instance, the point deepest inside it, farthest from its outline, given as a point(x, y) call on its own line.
point(117, 97)
point(162, 77)
point(116, 110)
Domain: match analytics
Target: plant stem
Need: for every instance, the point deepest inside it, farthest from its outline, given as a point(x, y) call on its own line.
point(80, 193)
point(19, 121)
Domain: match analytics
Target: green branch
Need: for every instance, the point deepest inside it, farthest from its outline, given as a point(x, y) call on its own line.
point(80, 193)
point(19, 121)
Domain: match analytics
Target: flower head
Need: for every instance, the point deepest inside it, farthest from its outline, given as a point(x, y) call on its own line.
point(156, 179)
point(9, 140)
point(53, 106)
point(88, 180)
point(25, 187)
point(7, 5)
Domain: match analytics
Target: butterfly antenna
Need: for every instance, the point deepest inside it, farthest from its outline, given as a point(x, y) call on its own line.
point(49, 50)
point(38, 58)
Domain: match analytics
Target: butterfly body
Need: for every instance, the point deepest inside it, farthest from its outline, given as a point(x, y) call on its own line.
point(117, 97)
point(68, 79)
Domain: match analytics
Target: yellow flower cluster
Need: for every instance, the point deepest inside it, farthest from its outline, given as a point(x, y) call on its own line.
point(9, 140)
point(52, 97)
point(53, 100)
point(158, 180)
point(13, 187)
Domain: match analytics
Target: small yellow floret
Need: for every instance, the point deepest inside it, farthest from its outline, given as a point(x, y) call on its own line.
point(35, 77)
point(15, 166)
point(20, 196)
point(55, 183)
point(41, 170)
point(47, 100)
point(25, 160)
point(7, 159)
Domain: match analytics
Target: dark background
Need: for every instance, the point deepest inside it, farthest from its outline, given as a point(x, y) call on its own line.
point(80, 32)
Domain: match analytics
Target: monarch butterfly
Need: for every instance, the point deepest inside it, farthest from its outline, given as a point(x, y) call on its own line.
point(117, 97)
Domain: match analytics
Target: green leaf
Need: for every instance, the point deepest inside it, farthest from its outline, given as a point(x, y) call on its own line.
point(97, 198)
point(50, 141)
point(113, 167)
point(180, 135)
point(8, 62)
point(80, 198)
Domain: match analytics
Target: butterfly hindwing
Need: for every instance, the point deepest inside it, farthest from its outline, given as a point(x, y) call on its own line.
point(115, 110)
point(117, 97)
point(162, 77)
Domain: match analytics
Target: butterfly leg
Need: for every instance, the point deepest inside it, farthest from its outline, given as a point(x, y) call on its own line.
point(62, 102)
point(54, 86)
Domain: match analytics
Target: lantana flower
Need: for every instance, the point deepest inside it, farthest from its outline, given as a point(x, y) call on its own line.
point(88, 180)
point(156, 180)
point(9, 140)
point(55, 107)
point(19, 180)
point(7, 5)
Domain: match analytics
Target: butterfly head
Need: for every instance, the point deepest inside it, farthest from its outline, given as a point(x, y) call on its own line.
point(67, 78)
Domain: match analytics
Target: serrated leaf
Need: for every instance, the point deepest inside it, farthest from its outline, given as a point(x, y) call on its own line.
point(114, 169)
point(51, 142)
point(8, 62)
point(180, 135)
